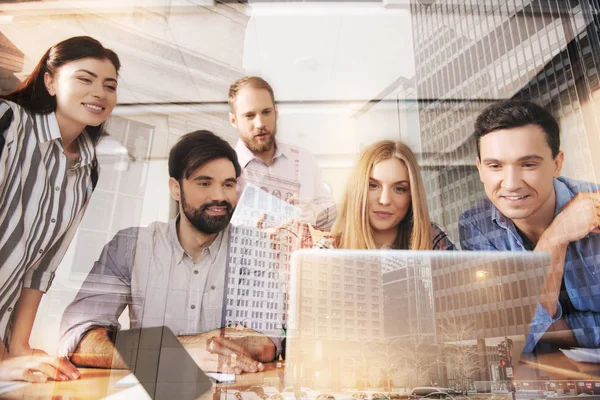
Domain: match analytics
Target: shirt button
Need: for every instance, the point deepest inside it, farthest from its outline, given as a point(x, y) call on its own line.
point(9, 309)
point(53, 220)
point(193, 307)
point(41, 251)
point(212, 287)
point(57, 188)
point(196, 272)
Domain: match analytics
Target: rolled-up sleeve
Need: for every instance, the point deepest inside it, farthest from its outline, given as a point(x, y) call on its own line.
point(104, 294)
point(539, 325)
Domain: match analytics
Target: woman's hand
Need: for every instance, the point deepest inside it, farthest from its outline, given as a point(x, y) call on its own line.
point(37, 367)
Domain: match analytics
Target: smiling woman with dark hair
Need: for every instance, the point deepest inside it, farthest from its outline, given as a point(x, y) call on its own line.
point(49, 126)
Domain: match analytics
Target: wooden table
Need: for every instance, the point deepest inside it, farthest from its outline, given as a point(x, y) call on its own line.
point(99, 383)
point(554, 365)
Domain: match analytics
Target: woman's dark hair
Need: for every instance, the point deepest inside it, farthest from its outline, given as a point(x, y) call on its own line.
point(514, 114)
point(195, 149)
point(32, 94)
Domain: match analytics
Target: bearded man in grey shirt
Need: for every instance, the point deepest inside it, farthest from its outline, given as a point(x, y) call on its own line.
point(171, 274)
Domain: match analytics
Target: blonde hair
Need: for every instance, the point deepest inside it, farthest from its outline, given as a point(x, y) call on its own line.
point(252, 81)
point(352, 229)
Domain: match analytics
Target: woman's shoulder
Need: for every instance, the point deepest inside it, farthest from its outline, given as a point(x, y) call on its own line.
point(6, 104)
point(14, 110)
point(439, 239)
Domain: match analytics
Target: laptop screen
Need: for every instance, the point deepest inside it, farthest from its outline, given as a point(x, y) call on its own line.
point(359, 317)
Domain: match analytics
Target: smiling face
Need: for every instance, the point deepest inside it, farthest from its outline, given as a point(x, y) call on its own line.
point(517, 171)
point(85, 90)
point(208, 196)
point(389, 196)
point(255, 118)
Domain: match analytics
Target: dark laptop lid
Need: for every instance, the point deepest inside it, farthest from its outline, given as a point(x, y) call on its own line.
point(161, 364)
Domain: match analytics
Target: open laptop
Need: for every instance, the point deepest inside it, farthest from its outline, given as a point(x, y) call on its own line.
point(359, 318)
point(161, 364)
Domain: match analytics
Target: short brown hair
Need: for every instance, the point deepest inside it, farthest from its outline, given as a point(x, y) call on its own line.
point(197, 148)
point(511, 114)
point(252, 81)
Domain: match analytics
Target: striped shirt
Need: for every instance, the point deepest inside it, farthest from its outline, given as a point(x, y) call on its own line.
point(42, 201)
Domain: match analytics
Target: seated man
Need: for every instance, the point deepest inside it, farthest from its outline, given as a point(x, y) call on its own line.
point(171, 273)
point(529, 206)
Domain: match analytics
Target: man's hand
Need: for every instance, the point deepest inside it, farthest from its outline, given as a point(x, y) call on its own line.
point(230, 350)
point(37, 367)
point(288, 225)
point(579, 217)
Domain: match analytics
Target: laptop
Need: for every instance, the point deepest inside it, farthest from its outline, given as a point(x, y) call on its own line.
point(367, 318)
point(161, 364)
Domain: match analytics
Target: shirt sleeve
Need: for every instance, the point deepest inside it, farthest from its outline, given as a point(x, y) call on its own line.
point(586, 327)
point(41, 274)
point(104, 294)
point(471, 237)
point(539, 325)
point(6, 137)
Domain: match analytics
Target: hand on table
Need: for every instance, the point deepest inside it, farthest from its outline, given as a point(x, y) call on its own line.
point(218, 351)
point(36, 366)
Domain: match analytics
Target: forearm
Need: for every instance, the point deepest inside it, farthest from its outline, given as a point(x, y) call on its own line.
point(23, 318)
point(262, 348)
point(97, 350)
point(255, 344)
point(259, 346)
point(551, 290)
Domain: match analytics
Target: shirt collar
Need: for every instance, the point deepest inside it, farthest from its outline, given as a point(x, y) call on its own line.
point(87, 151)
point(499, 218)
point(245, 155)
point(562, 193)
point(563, 196)
point(178, 250)
point(52, 132)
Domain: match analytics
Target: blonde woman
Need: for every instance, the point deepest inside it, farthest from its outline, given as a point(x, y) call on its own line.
point(384, 206)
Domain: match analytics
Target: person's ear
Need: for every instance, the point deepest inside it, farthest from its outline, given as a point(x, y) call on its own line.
point(478, 164)
point(558, 163)
point(50, 83)
point(175, 189)
point(232, 119)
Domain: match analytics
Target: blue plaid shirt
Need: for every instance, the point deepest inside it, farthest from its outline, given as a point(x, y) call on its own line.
point(483, 227)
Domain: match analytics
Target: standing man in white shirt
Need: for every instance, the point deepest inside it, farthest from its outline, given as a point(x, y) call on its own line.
point(288, 172)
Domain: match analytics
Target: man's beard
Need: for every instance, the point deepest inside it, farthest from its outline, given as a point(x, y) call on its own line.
point(205, 223)
point(257, 146)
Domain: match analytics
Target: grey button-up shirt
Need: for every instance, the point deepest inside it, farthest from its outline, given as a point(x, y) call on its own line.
point(146, 269)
